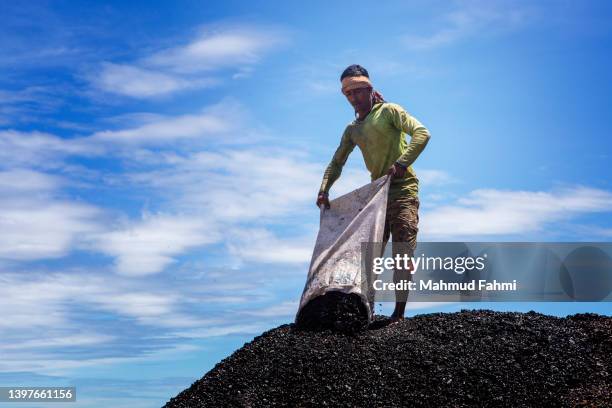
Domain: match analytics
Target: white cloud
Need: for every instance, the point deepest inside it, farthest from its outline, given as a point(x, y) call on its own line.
point(434, 177)
point(30, 305)
point(218, 48)
point(25, 105)
point(189, 66)
point(42, 227)
point(66, 340)
point(239, 185)
point(283, 309)
point(217, 331)
point(214, 125)
point(35, 223)
point(498, 212)
point(260, 245)
point(143, 305)
point(143, 83)
point(46, 301)
point(51, 364)
point(39, 225)
point(217, 119)
point(39, 149)
point(133, 119)
point(214, 184)
point(149, 246)
point(469, 20)
point(25, 180)
point(72, 310)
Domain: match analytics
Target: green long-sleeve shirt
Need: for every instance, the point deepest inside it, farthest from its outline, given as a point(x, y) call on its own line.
point(380, 138)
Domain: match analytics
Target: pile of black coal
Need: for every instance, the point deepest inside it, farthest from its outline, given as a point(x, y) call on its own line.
point(466, 359)
point(336, 311)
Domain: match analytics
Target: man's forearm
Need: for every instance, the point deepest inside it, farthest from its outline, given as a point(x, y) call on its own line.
point(418, 141)
point(332, 173)
point(334, 169)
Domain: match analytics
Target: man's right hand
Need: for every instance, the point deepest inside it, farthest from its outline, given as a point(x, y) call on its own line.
point(323, 198)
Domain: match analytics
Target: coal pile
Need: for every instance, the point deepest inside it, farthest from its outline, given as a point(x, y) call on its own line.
point(336, 311)
point(466, 359)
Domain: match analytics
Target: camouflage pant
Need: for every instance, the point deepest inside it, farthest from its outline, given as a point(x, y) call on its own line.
point(402, 223)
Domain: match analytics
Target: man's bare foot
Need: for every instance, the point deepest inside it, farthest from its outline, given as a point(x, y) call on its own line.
point(399, 310)
point(395, 319)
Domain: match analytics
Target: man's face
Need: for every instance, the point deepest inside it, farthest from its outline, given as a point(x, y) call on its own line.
point(360, 98)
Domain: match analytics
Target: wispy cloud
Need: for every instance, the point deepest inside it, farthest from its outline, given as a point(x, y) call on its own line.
point(435, 177)
point(191, 65)
point(143, 83)
point(91, 320)
point(218, 119)
point(23, 105)
point(253, 328)
point(33, 35)
point(468, 20)
point(282, 309)
point(260, 245)
point(43, 226)
point(501, 212)
point(149, 246)
point(18, 181)
point(237, 185)
point(219, 47)
point(34, 223)
point(39, 229)
point(62, 340)
point(213, 125)
point(58, 364)
point(208, 186)
point(47, 300)
point(39, 148)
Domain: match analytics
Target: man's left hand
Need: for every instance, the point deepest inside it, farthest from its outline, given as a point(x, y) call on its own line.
point(397, 171)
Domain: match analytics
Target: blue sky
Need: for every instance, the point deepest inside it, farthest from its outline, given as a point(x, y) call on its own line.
point(159, 164)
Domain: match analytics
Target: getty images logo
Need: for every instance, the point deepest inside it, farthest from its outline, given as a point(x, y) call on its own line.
point(459, 264)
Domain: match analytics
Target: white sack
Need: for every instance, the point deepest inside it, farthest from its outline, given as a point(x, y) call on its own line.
point(353, 218)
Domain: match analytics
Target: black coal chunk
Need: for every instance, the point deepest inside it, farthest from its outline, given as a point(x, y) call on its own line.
point(474, 358)
point(337, 311)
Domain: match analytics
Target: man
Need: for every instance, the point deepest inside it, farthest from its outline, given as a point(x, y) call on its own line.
point(379, 130)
